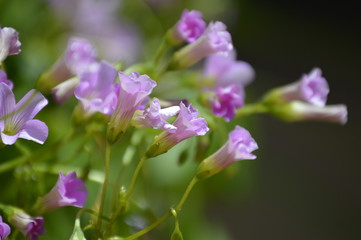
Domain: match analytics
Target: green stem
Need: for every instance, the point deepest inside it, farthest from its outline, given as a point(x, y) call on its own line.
point(166, 216)
point(134, 178)
point(6, 166)
point(22, 148)
point(160, 52)
point(104, 187)
point(250, 109)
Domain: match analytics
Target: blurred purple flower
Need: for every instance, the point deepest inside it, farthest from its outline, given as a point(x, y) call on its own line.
point(299, 111)
point(239, 146)
point(189, 28)
point(4, 79)
point(16, 120)
point(4, 229)
point(187, 124)
point(97, 91)
point(31, 227)
point(68, 191)
point(133, 90)
point(98, 21)
point(225, 70)
point(216, 39)
point(227, 100)
point(156, 117)
point(9, 42)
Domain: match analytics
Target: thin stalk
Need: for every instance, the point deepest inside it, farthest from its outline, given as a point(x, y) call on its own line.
point(134, 178)
point(104, 187)
point(251, 109)
point(166, 216)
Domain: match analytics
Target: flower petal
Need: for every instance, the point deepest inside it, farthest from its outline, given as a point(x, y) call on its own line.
point(35, 130)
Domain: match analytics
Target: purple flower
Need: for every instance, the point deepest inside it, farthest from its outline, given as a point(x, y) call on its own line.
point(4, 229)
point(225, 70)
point(156, 117)
point(31, 227)
point(133, 90)
point(4, 79)
point(189, 28)
point(96, 90)
point(188, 124)
point(64, 90)
point(16, 120)
point(68, 191)
point(239, 146)
point(227, 100)
point(9, 42)
point(311, 88)
point(299, 111)
point(79, 55)
point(216, 39)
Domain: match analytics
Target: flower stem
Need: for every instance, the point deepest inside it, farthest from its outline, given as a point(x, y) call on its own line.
point(250, 109)
point(166, 216)
point(134, 178)
point(104, 187)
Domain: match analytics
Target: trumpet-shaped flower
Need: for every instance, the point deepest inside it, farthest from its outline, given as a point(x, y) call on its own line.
point(189, 28)
point(31, 227)
point(9, 42)
point(68, 191)
point(134, 89)
point(239, 146)
point(187, 124)
point(224, 70)
point(156, 117)
point(4, 229)
point(216, 39)
point(227, 100)
point(4, 79)
point(96, 90)
point(16, 119)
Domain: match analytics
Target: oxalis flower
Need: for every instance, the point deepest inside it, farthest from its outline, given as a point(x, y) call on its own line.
point(9, 42)
point(134, 88)
point(4, 229)
point(189, 28)
point(156, 117)
point(96, 90)
point(239, 146)
point(227, 100)
point(16, 119)
point(222, 70)
point(312, 88)
point(31, 227)
point(216, 39)
point(68, 191)
point(188, 124)
point(4, 79)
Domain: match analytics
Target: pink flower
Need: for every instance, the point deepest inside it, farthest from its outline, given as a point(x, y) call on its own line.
point(31, 227)
point(4, 79)
point(227, 100)
point(239, 146)
point(4, 229)
point(16, 120)
point(9, 43)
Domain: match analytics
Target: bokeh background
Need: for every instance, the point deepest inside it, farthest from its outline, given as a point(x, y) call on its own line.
point(305, 183)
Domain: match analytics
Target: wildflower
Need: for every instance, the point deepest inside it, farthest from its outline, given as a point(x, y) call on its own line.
point(189, 28)
point(16, 120)
point(188, 124)
point(239, 146)
point(311, 88)
point(224, 70)
point(96, 90)
point(216, 39)
point(68, 191)
point(4, 229)
point(9, 42)
point(156, 117)
point(300, 111)
point(31, 227)
point(4, 79)
point(133, 90)
point(227, 100)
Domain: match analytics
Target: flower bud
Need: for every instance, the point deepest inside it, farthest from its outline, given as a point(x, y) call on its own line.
point(9, 43)
point(4, 229)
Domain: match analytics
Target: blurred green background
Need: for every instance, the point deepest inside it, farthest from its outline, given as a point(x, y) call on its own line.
point(305, 183)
